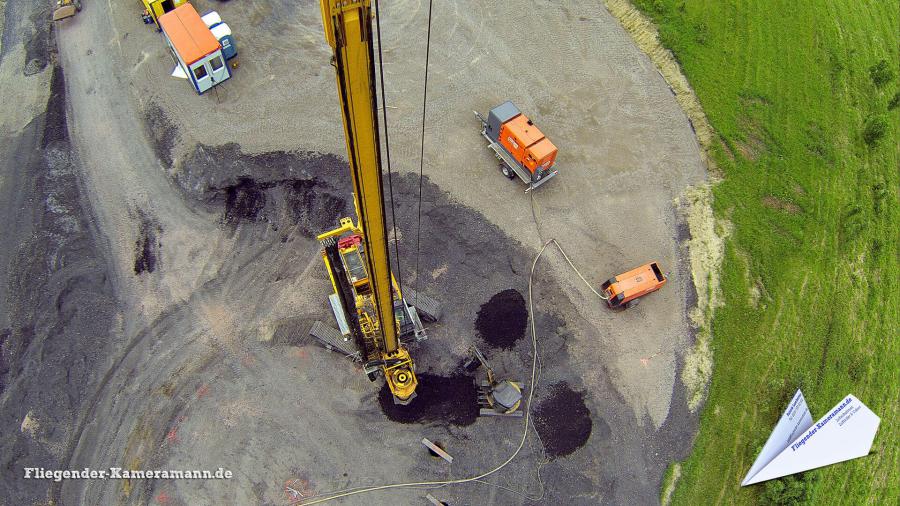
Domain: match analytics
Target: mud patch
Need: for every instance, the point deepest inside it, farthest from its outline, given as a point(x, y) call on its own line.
point(445, 400)
point(306, 190)
point(563, 421)
point(37, 43)
point(244, 201)
point(147, 246)
point(312, 210)
point(163, 133)
point(502, 320)
point(752, 147)
point(781, 205)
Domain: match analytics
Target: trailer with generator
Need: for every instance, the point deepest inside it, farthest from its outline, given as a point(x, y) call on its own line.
point(521, 147)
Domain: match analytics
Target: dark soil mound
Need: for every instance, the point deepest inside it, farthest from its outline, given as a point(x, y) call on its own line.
point(502, 320)
point(310, 189)
point(451, 400)
point(243, 201)
point(563, 421)
point(315, 206)
point(146, 248)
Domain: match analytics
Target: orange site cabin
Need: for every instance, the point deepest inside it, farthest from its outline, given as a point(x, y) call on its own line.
point(194, 47)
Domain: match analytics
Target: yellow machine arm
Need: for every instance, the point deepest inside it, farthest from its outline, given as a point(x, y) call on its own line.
point(348, 30)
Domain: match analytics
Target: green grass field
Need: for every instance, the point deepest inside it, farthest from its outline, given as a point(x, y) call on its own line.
point(808, 153)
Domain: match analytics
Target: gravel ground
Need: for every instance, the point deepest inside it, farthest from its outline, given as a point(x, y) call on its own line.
point(199, 275)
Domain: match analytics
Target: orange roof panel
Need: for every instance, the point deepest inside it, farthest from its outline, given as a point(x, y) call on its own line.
point(188, 33)
point(542, 149)
point(524, 131)
point(641, 278)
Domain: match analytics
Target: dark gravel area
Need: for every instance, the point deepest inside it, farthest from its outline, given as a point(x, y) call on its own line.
point(244, 201)
point(147, 246)
point(162, 132)
point(58, 301)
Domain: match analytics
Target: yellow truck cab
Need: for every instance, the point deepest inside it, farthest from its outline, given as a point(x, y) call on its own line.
point(624, 290)
point(153, 9)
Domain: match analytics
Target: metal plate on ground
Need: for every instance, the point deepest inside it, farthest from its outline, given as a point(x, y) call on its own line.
point(333, 340)
point(428, 308)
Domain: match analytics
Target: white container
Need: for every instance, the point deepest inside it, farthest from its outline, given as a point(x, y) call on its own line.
point(220, 30)
point(211, 18)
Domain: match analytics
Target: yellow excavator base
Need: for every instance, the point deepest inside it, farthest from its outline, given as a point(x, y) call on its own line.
point(401, 378)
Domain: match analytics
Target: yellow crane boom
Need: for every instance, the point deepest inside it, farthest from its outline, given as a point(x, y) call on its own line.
point(357, 254)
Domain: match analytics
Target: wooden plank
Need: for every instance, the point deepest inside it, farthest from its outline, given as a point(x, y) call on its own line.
point(434, 501)
point(437, 449)
point(492, 412)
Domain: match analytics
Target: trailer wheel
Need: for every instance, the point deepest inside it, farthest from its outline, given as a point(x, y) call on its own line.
point(507, 171)
point(632, 303)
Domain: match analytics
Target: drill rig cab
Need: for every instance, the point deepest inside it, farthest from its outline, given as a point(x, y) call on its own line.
point(345, 257)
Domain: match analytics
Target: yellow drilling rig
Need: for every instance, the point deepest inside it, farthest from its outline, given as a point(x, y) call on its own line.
point(368, 306)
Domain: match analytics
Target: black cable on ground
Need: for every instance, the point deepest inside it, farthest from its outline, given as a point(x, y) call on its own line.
point(537, 225)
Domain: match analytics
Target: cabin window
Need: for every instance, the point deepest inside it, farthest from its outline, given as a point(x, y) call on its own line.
point(216, 63)
point(199, 72)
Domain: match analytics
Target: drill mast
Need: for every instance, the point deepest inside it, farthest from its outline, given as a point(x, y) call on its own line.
point(357, 254)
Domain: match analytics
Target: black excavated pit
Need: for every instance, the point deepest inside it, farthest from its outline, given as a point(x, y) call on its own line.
point(451, 400)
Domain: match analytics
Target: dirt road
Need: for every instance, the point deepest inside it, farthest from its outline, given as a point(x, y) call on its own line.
point(199, 214)
point(57, 309)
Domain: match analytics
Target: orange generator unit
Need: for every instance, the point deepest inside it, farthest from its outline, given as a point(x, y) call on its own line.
point(625, 290)
point(521, 147)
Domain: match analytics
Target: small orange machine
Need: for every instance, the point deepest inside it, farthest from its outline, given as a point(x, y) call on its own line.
point(624, 290)
point(521, 147)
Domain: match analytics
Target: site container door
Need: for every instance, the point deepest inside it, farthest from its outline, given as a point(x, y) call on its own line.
point(218, 68)
point(201, 76)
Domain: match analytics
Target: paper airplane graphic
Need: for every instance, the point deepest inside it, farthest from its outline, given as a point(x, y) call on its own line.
point(797, 444)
